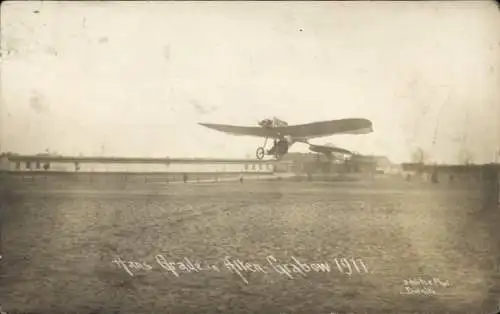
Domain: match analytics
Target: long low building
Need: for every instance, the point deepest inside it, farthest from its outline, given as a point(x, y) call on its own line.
point(46, 163)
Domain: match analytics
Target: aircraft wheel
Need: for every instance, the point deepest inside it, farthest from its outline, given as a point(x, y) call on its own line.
point(260, 153)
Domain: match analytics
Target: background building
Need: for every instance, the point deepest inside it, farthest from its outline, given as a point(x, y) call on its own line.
point(318, 163)
point(46, 163)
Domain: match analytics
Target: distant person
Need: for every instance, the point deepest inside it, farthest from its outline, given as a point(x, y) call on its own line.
point(184, 177)
point(408, 178)
point(309, 176)
point(241, 178)
point(434, 176)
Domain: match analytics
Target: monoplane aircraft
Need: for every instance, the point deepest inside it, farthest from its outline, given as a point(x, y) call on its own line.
point(284, 135)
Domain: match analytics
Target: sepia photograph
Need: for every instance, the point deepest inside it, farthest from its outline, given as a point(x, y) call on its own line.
point(271, 157)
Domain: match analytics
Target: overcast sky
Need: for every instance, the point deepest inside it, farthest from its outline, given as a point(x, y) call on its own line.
point(134, 79)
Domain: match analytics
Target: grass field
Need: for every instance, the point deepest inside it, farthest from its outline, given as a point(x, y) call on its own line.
point(59, 249)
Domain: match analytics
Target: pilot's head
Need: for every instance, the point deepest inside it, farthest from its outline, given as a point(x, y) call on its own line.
point(266, 122)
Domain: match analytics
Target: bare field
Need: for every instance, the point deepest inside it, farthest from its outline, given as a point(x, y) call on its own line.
point(59, 248)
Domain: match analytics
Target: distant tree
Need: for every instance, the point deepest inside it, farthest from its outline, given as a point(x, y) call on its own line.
point(418, 156)
point(465, 156)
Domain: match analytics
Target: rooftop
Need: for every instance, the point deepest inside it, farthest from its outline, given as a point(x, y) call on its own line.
point(108, 159)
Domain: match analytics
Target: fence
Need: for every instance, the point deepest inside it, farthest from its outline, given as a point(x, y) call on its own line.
point(46, 181)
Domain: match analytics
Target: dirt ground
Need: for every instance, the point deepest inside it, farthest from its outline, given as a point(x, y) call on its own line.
point(61, 251)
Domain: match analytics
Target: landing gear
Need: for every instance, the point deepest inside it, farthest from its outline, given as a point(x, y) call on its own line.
point(279, 149)
point(260, 153)
point(277, 153)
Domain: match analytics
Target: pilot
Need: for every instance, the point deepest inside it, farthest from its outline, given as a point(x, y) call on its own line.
point(266, 123)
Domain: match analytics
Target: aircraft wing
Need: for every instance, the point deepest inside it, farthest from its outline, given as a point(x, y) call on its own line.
point(327, 128)
point(241, 130)
point(301, 131)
